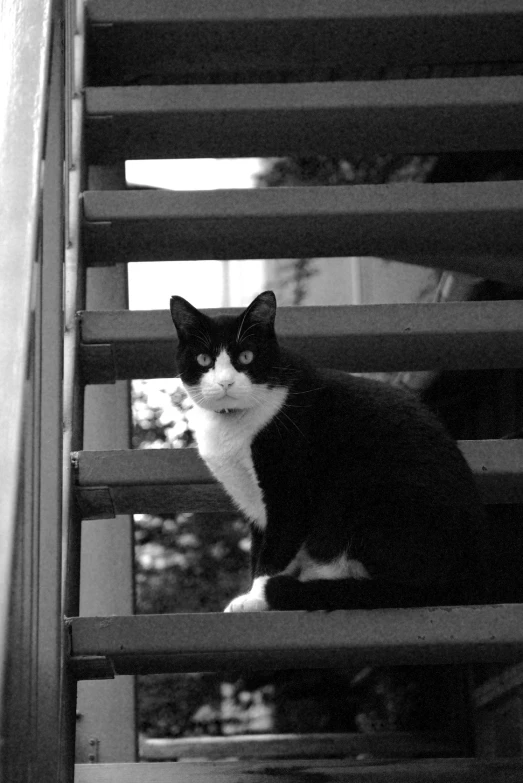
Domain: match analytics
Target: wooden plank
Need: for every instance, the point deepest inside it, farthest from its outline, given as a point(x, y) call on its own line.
point(165, 480)
point(368, 338)
point(142, 466)
point(496, 687)
point(105, 503)
point(433, 771)
point(198, 40)
point(382, 744)
point(238, 11)
point(424, 116)
point(266, 640)
point(474, 227)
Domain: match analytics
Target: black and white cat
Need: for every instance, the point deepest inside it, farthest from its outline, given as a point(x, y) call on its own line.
point(356, 496)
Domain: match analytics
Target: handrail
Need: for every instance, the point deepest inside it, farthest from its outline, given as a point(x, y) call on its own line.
point(25, 35)
point(75, 17)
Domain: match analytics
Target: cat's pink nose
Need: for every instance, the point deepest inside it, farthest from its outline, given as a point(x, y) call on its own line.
point(225, 384)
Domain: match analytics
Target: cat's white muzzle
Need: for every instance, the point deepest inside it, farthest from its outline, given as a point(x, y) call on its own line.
point(227, 402)
point(216, 400)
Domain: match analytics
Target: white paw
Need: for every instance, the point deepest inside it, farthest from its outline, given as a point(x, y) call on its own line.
point(253, 601)
point(247, 603)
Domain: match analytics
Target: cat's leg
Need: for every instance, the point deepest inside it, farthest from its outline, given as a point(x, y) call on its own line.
point(284, 593)
point(334, 581)
point(303, 568)
point(310, 584)
point(267, 561)
point(253, 601)
point(393, 554)
point(412, 557)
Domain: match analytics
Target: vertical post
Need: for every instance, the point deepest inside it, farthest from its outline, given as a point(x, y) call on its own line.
point(107, 708)
point(50, 627)
point(74, 291)
point(74, 45)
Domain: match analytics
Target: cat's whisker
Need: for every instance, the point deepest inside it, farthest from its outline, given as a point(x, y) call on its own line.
point(238, 334)
point(203, 339)
point(293, 393)
point(289, 370)
point(282, 413)
point(245, 333)
point(277, 420)
point(277, 423)
point(260, 401)
point(197, 397)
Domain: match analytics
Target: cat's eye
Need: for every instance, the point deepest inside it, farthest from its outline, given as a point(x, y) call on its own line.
point(246, 357)
point(203, 359)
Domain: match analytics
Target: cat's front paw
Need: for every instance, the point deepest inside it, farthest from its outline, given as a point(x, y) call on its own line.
point(247, 603)
point(253, 601)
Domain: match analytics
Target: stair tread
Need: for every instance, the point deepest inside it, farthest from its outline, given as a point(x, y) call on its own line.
point(332, 771)
point(474, 227)
point(125, 344)
point(199, 39)
point(165, 480)
point(264, 120)
point(265, 640)
point(381, 744)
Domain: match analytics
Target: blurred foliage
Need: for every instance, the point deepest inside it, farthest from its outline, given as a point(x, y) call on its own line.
point(159, 411)
point(190, 563)
point(324, 170)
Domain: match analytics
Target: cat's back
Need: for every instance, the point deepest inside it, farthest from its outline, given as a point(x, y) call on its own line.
point(370, 406)
point(341, 404)
point(381, 433)
point(365, 406)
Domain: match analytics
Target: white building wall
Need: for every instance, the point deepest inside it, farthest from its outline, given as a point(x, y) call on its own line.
point(339, 281)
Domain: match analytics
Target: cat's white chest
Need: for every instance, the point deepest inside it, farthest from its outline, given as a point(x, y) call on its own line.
point(230, 460)
point(224, 442)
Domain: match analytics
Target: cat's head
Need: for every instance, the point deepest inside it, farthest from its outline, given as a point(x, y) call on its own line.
point(227, 363)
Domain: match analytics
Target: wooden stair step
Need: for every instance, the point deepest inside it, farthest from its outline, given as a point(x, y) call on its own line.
point(331, 771)
point(145, 481)
point(470, 227)
point(424, 116)
point(195, 40)
point(380, 744)
point(125, 344)
point(216, 641)
point(174, 480)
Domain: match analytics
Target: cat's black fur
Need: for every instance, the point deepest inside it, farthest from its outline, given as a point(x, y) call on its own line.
point(348, 466)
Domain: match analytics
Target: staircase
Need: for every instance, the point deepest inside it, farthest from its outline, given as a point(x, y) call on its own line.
point(201, 78)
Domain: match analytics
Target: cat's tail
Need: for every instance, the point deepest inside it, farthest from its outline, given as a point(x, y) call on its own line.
point(287, 593)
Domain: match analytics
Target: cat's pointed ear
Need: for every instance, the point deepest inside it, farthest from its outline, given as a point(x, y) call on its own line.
point(186, 318)
point(263, 309)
